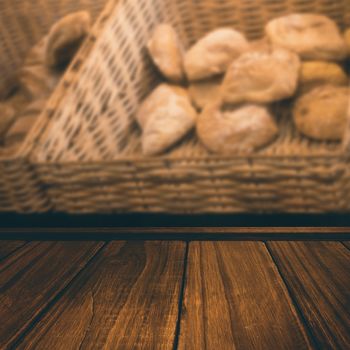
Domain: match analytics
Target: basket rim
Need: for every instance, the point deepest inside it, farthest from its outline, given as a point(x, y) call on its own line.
point(213, 158)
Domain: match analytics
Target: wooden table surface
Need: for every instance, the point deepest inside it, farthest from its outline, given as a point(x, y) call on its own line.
point(137, 294)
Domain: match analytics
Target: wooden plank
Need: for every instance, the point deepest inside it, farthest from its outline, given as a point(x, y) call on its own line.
point(8, 247)
point(180, 233)
point(128, 298)
point(318, 275)
point(347, 244)
point(235, 299)
point(32, 277)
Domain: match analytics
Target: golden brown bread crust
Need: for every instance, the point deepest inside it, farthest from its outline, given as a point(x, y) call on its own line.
point(321, 114)
point(167, 53)
point(65, 38)
point(35, 78)
point(240, 129)
point(205, 92)
point(165, 117)
point(262, 77)
point(213, 54)
point(316, 73)
point(313, 37)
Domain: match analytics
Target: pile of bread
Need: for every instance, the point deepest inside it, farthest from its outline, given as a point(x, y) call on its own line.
point(224, 85)
point(37, 78)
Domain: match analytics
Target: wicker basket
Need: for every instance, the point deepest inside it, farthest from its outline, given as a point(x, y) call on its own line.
point(89, 156)
point(22, 24)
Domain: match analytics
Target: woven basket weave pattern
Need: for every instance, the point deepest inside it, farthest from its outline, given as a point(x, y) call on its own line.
point(22, 24)
point(226, 186)
point(90, 157)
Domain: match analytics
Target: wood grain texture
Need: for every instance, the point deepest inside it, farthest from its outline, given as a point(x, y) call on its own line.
point(32, 277)
point(127, 298)
point(8, 247)
point(235, 299)
point(318, 275)
point(347, 244)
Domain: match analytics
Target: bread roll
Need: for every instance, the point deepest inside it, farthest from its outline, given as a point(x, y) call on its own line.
point(313, 37)
point(232, 130)
point(165, 117)
point(167, 53)
point(65, 37)
point(321, 114)
point(7, 117)
point(316, 73)
point(262, 77)
point(206, 92)
point(213, 54)
point(35, 78)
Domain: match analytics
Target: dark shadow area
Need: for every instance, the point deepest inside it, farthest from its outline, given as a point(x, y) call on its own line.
point(153, 220)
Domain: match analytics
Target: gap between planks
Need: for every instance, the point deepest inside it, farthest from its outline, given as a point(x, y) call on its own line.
point(318, 276)
point(33, 278)
point(9, 247)
point(236, 299)
point(127, 298)
point(181, 311)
